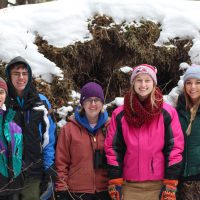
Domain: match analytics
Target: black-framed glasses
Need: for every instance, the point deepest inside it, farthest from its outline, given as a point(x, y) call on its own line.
point(93, 100)
point(18, 74)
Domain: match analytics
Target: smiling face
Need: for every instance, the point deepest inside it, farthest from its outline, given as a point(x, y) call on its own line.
point(143, 85)
point(192, 88)
point(92, 107)
point(19, 78)
point(2, 97)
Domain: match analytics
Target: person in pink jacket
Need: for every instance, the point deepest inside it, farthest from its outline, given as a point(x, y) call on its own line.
point(144, 143)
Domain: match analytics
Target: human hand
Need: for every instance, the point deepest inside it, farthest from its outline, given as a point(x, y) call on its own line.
point(168, 191)
point(115, 189)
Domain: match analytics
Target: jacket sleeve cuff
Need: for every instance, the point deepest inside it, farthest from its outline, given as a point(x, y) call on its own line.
point(117, 181)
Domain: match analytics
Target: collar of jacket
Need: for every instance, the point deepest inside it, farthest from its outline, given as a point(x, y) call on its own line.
point(103, 117)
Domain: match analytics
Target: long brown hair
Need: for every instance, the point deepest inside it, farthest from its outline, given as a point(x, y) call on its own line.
point(193, 108)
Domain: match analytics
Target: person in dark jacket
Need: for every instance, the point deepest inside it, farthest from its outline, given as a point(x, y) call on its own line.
point(80, 158)
point(11, 140)
point(189, 114)
point(33, 115)
point(144, 142)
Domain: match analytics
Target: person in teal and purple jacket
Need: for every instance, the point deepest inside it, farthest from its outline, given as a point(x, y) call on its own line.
point(11, 140)
point(144, 143)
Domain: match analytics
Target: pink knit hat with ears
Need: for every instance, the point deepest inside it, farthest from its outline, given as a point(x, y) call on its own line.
point(144, 69)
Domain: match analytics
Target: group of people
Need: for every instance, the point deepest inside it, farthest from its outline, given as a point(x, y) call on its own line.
point(146, 150)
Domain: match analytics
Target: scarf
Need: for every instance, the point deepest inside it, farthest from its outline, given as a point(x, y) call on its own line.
point(137, 113)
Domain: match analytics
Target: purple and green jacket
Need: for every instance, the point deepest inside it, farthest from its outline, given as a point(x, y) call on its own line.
point(11, 140)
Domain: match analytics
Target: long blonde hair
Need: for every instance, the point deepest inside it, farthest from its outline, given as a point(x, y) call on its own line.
point(193, 108)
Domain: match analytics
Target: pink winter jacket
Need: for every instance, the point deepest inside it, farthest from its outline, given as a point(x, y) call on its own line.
point(151, 152)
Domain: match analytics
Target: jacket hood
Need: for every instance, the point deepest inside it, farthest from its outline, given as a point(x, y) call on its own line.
point(15, 61)
point(73, 120)
point(103, 117)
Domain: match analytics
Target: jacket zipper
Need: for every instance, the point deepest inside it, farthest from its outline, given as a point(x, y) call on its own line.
point(94, 180)
point(152, 169)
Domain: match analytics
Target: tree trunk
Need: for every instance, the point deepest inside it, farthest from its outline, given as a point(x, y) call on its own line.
point(31, 1)
point(20, 2)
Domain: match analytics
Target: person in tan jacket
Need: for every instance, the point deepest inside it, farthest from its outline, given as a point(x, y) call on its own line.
point(80, 157)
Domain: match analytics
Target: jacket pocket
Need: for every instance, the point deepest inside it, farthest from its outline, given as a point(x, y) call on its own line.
point(3, 163)
point(10, 186)
point(152, 166)
point(74, 171)
point(17, 155)
point(156, 166)
point(4, 185)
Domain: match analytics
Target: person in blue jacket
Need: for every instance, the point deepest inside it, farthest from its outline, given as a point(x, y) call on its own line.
point(11, 141)
point(34, 116)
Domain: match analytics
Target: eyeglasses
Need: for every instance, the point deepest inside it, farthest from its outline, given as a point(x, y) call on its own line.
point(19, 74)
point(91, 100)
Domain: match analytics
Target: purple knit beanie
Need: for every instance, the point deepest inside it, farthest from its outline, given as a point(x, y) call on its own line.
point(144, 69)
point(91, 89)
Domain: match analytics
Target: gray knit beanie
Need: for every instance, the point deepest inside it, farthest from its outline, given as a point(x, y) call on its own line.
point(192, 72)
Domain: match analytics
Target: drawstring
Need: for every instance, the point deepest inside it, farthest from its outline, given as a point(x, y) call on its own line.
point(20, 102)
point(28, 116)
